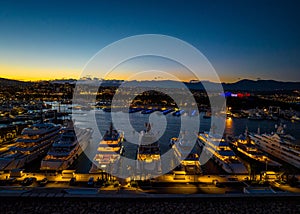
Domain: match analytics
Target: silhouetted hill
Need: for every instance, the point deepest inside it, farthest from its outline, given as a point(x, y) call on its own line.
point(249, 85)
point(8, 82)
point(261, 85)
point(242, 85)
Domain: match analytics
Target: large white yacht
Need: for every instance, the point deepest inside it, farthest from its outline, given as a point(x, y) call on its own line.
point(148, 154)
point(246, 147)
point(66, 150)
point(108, 152)
point(33, 143)
point(221, 153)
point(184, 153)
point(278, 145)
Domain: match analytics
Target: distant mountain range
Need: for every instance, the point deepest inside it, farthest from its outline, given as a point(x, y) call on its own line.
point(242, 85)
point(262, 85)
point(252, 85)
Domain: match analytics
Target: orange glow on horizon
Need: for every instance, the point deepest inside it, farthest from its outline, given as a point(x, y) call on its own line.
point(36, 74)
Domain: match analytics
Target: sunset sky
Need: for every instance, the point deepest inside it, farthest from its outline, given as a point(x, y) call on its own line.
point(241, 39)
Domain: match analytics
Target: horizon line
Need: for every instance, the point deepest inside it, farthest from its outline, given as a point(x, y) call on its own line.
point(185, 81)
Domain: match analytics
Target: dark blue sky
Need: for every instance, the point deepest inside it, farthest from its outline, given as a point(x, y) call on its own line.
point(242, 39)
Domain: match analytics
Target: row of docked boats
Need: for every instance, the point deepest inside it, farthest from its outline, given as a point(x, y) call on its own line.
point(266, 150)
point(149, 154)
point(279, 145)
point(164, 111)
point(246, 148)
point(59, 147)
point(111, 148)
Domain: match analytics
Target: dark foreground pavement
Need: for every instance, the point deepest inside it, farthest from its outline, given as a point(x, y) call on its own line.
point(153, 204)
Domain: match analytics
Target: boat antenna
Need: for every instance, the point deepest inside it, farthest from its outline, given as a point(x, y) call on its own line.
point(111, 128)
point(148, 127)
point(247, 135)
point(246, 131)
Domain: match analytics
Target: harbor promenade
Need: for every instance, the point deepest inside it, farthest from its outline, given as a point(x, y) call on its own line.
point(84, 177)
point(166, 184)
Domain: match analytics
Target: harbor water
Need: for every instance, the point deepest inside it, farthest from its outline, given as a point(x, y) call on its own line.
point(166, 127)
point(171, 126)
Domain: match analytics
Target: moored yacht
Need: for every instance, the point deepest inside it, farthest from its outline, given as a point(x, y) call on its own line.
point(108, 152)
point(221, 153)
point(33, 143)
point(73, 141)
point(184, 153)
point(278, 145)
point(247, 148)
point(148, 154)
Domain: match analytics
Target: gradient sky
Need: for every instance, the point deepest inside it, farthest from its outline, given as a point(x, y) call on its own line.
point(242, 39)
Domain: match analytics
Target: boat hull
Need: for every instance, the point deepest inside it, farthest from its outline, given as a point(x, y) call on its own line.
point(277, 152)
point(20, 162)
point(230, 168)
point(58, 165)
point(260, 165)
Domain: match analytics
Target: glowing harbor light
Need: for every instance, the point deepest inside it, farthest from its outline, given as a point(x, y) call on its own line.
point(238, 95)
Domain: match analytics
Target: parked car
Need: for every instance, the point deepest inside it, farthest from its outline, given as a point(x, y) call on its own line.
point(28, 181)
point(11, 180)
point(3, 182)
point(43, 182)
point(91, 181)
point(73, 181)
point(98, 183)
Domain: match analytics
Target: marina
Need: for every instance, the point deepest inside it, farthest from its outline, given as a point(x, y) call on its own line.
point(101, 157)
point(139, 120)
